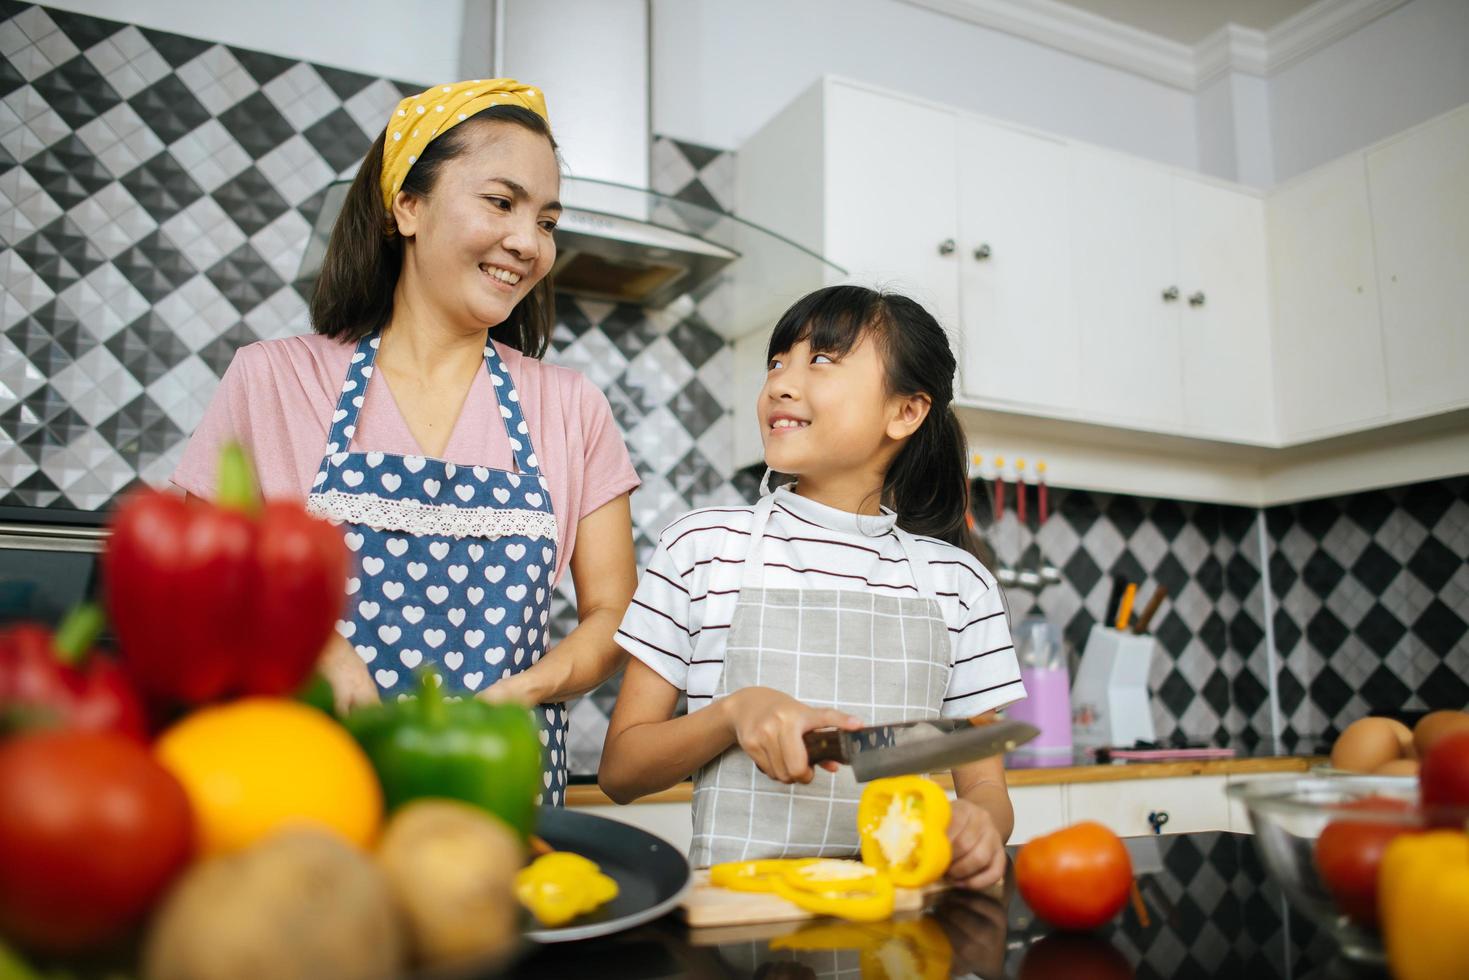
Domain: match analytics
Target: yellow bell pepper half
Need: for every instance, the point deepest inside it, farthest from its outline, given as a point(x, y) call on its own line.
point(560, 886)
point(1423, 903)
point(904, 826)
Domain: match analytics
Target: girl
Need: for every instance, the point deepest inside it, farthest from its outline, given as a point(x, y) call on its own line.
point(468, 475)
point(846, 598)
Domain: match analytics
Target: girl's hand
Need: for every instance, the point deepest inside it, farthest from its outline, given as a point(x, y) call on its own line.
point(350, 680)
point(979, 850)
point(768, 725)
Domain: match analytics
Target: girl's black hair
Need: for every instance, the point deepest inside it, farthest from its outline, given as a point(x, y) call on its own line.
point(927, 484)
point(353, 295)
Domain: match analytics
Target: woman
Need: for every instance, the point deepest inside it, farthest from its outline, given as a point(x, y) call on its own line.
point(467, 474)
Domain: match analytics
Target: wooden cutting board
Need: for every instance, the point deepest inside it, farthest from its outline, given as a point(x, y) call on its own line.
point(708, 907)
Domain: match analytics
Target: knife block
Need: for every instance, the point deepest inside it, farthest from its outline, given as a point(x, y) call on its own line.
point(1110, 701)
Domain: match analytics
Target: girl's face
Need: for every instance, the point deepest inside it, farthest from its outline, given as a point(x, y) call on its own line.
point(823, 414)
point(482, 239)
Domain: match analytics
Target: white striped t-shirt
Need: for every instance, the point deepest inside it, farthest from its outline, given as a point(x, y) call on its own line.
point(679, 618)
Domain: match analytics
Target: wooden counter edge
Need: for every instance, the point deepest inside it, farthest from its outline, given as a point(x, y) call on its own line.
point(683, 792)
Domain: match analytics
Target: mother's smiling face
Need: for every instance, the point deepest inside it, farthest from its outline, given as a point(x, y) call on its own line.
point(480, 238)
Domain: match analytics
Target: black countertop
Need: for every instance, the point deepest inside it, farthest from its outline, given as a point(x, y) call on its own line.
point(1211, 913)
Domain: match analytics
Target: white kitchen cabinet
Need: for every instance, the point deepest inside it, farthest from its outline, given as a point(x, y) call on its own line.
point(1329, 367)
point(1419, 191)
point(890, 193)
point(1014, 263)
point(1224, 311)
point(1122, 239)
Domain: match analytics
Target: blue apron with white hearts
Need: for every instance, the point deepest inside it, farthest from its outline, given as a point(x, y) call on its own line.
point(454, 562)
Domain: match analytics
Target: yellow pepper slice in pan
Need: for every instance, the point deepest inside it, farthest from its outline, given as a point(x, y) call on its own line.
point(904, 826)
point(560, 886)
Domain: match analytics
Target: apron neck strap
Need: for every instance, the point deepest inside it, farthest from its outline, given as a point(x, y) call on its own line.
point(752, 575)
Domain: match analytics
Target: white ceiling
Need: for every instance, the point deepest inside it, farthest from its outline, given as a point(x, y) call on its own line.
point(1190, 21)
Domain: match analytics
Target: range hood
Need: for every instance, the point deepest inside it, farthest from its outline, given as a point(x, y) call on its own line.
point(617, 240)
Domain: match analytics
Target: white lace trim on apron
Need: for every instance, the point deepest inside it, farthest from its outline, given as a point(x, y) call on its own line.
point(431, 520)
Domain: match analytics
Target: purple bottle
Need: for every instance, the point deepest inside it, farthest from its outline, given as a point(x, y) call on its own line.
point(1041, 650)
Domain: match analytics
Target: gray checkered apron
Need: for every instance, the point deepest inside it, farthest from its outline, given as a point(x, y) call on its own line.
point(881, 658)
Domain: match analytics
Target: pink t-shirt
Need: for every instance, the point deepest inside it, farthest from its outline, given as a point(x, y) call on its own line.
point(278, 396)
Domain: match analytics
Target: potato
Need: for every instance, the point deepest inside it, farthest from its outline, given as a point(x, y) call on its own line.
point(452, 868)
point(1397, 767)
point(300, 905)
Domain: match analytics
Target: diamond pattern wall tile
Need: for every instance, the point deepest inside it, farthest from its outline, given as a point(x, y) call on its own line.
point(295, 170)
point(184, 392)
point(282, 314)
point(169, 108)
point(24, 206)
point(104, 301)
point(197, 312)
point(148, 348)
point(203, 233)
point(120, 139)
point(340, 140)
point(244, 278)
point(301, 95)
point(281, 244)
point(96, 384)
point(217, 79)
point(33, 44)
point(113, 221)
point(154, 267)
point(28, 124)
point(128, 61)
point(250, 200)
point(77, 91)
point(21, 291)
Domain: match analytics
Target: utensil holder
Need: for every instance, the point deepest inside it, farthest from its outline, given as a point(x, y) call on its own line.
point(1110, 701)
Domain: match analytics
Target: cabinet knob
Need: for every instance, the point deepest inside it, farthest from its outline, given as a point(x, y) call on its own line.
point(947, 246)
point(1170, 294)
point(1197, 299)
point(982, 252)
point(1157, 819)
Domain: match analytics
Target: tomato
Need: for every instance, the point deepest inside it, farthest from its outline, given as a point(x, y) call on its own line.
point(1349, 855)
point(92, 830)
point(1075, 878)
point(1444, 777)
point(1072, 954)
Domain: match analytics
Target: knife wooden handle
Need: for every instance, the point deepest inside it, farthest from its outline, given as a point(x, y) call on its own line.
point(825, 745)
point(1146, 620)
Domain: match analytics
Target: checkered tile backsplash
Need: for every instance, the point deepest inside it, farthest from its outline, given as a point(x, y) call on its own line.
point(156, 193)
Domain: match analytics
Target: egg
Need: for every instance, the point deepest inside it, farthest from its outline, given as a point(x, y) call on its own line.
point(1367, 744)
point(1397, 767)
point(1435, 725)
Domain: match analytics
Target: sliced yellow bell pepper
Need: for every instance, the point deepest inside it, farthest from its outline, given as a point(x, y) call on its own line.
point(904, 826)
point(1423, 903)
point(844, 889)
point(915, 949)
point(560, 886)
point(751, 876)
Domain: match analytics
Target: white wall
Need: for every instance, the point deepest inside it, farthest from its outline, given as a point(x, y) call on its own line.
point(416, 41)
point(722, 69)
point(1396, 72)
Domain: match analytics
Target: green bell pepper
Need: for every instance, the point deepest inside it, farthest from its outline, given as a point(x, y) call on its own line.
point(487, 755)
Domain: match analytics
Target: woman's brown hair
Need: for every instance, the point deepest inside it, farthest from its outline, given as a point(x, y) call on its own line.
point(354, 292)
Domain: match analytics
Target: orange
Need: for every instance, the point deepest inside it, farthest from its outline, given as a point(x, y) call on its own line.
point(253, 766)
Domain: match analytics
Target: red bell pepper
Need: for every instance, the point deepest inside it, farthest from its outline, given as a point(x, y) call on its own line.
point(211, 600)
point(48, 679)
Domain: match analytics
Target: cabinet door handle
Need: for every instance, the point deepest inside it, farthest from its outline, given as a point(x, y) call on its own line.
point(982, 252)
point(1197, 299)
point(947, 246)
point(1170, 294)
point(1157, 820)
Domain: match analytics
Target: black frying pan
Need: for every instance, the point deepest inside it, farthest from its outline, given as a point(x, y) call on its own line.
point(651, 874)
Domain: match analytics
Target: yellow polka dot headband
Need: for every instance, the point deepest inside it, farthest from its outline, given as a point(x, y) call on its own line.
point(422, 117)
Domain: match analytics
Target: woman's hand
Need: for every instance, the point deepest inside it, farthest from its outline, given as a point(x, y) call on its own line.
point(769, 726)
point(351, 682)
point(979, 847)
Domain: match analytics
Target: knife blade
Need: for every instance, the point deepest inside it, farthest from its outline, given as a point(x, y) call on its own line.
point(916, 746)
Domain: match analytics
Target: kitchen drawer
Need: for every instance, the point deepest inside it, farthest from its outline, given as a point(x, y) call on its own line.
point(1192, 803)
point(1038, 810)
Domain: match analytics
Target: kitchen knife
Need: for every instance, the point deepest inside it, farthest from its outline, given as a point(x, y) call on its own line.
point(916, 746)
